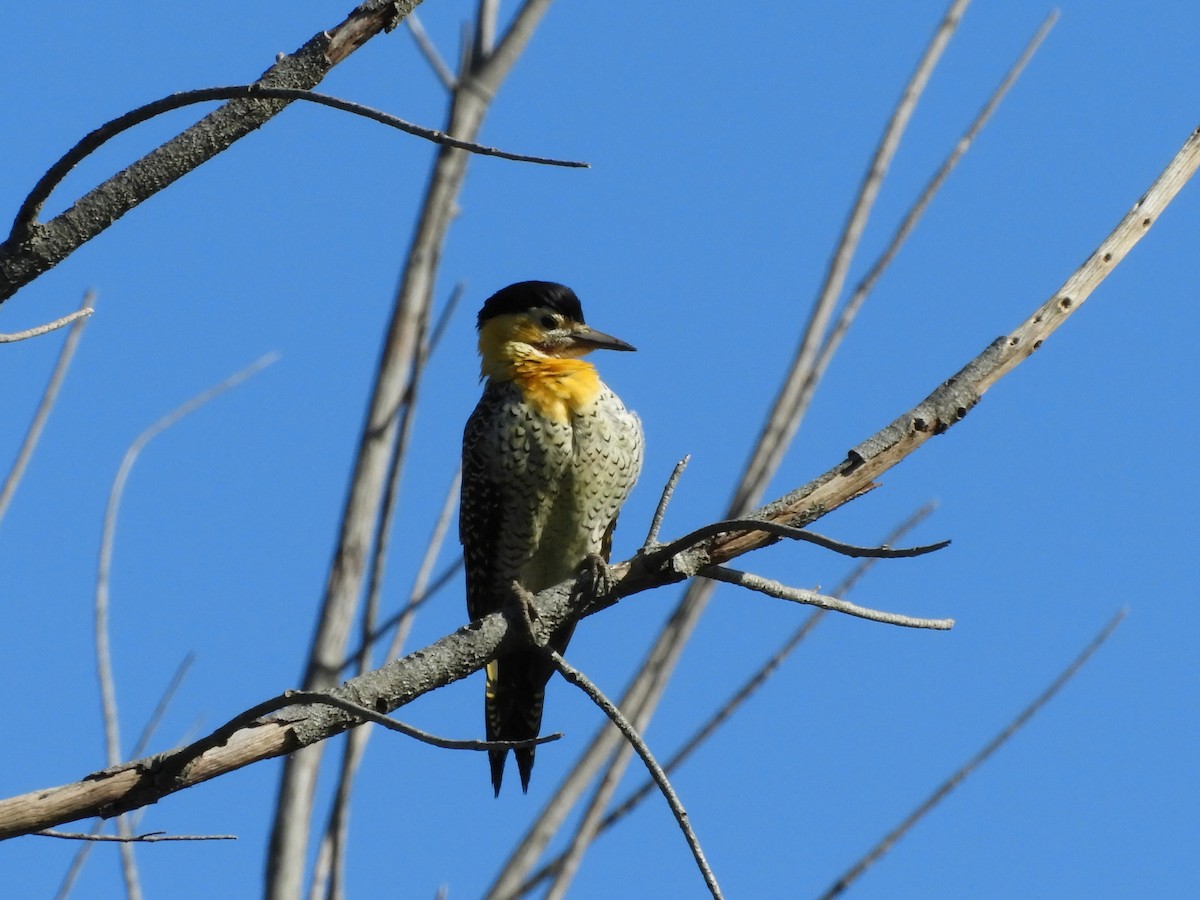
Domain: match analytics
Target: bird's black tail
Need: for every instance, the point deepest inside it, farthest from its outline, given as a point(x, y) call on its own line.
point(516, 691)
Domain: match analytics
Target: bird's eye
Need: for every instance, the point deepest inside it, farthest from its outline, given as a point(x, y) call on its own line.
point(549, 321)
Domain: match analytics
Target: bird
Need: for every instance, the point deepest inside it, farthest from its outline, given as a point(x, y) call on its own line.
point(549, 456)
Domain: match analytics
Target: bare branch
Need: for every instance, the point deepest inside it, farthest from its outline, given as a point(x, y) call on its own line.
point(909, 222)
point(747, 526)
point(292, 698)
point(29, 210)
point(81, 855)
point(152, 837)
point(44, 246)
point(710, 727)
point(661, 510)
point(12, 337)
point(577, 678)
point(889, 840)
point(811, 598)
point(104, 670)
point(47, 403)
point(443, 71)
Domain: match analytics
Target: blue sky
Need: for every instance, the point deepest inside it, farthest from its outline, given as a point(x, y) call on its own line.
point(725, 151)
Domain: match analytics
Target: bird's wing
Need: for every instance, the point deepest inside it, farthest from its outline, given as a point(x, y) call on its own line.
point(513, 460)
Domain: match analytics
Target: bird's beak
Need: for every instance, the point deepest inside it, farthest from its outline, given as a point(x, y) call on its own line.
point(590, 339)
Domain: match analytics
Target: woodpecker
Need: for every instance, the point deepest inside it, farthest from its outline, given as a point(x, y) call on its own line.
point(549, 456)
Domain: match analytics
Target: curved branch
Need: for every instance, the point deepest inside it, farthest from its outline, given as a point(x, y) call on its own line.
point(577, 678)
point(812, 598)
point(295, 698)
point(723, 714)
point(775, 529)
point(49, 396)
point(889, 840)
point(37, 198)
point(37, 331)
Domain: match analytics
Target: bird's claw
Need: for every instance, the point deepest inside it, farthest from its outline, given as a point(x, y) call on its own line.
point(529, 615)
point(598, 574)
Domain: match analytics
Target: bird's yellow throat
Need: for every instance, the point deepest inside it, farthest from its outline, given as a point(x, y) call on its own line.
point(556, 387)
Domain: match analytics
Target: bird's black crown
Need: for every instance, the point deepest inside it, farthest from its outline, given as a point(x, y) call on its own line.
point(526, 295)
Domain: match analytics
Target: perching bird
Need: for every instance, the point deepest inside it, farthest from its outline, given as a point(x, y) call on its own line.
point(549, 455)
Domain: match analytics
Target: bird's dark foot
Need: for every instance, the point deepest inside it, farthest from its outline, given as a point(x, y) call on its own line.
point(529, 615)
point(597, 575)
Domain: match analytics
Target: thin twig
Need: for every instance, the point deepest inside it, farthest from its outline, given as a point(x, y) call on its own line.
point(444, 577)
point(577, 678)
point(391, 492)
point(11, 337)
point(811, 598)
point(143, 741)
point(330, 864)
point(427, 344)
point(103, 652)
point(440, 68)
point(784, 419)
point(164, 702)
point(748, 526)
point(725, 712)
point(22, 261)
point(444, 317)
point(889, 840)
point(152, 837)
point(421, 587)
point(47, 403)
point(104, 670)
point(311, 698)
point(37, 198)
point(661, 510)
point(909, 222)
